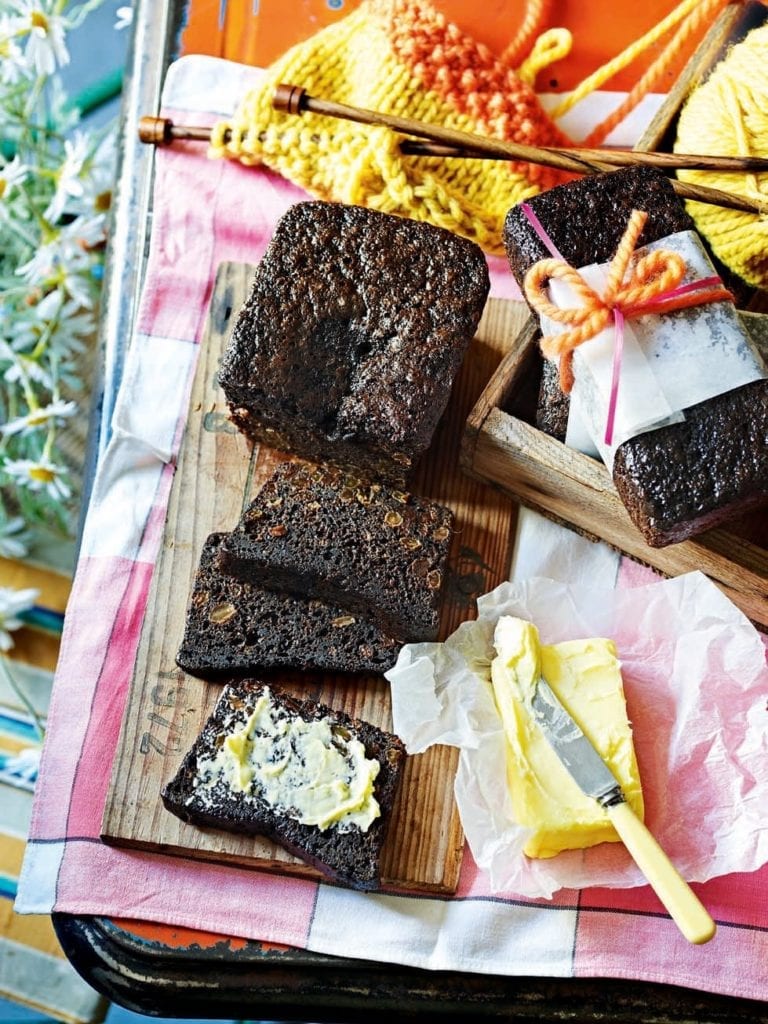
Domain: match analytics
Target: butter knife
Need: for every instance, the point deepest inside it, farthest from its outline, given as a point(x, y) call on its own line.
point(593, 776)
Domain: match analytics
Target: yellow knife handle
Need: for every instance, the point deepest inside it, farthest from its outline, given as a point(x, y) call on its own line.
point(681, 901)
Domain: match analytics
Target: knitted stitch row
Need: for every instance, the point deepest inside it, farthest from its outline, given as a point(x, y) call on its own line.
point(400, 57)
point(403, 57)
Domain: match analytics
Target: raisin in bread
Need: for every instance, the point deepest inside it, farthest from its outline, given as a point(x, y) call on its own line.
point(379, 552)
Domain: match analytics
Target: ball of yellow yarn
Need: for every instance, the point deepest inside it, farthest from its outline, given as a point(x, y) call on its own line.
point(728, 115)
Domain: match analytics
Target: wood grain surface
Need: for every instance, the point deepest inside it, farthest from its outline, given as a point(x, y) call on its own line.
point(218, 473)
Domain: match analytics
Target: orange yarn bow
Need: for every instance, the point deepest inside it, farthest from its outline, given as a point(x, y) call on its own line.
point(652, 287)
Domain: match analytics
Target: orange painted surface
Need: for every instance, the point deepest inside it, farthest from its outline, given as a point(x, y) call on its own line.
point(258, 38)
point(182, 938)
point(178, 938)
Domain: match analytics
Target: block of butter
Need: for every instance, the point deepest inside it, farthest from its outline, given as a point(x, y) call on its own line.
point(586, 676)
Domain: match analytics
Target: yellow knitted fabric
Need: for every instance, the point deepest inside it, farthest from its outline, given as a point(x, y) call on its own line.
point(400, 57)
point(728, 114)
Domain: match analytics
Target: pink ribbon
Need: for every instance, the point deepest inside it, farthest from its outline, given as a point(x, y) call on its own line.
point(654, 305)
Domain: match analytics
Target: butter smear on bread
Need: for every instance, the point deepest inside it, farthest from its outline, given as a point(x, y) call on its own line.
point(586, 676)
point(313, 771)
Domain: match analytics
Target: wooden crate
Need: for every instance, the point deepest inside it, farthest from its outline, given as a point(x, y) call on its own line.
point(502, 447)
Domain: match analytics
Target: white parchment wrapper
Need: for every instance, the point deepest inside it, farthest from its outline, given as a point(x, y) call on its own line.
point(669, 361)
point(696, 685)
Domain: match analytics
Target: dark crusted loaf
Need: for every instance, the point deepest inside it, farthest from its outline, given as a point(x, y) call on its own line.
point(706, 470)
point(585, 220)
point(381, 553)
point(679, 480)
point(234, 628)
point(351, 857)
point(355, 328)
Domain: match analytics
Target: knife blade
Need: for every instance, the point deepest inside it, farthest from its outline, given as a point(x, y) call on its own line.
point(590, 772)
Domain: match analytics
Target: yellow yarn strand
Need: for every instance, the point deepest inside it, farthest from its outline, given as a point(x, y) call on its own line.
point(728, 114)
point(705, 11)
point(550, 46)
point(621, 60)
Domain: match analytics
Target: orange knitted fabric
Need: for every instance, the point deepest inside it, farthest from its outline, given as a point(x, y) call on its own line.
point(470, 78)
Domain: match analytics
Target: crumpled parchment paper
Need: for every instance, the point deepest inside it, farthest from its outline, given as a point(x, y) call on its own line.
point(696, 685)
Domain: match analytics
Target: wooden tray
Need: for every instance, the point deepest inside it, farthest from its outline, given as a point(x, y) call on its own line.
point(218, 473)
point(501, 447)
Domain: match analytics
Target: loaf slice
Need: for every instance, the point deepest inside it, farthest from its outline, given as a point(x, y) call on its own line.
point(350, 340)
point(379, 552)
point(221, 782)
point(234, 628)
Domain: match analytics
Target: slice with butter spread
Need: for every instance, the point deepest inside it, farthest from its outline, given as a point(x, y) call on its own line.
point(586, 676)
point(315, 780)
point(312, 771)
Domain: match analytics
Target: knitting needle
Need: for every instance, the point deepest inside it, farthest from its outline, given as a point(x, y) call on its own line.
point(293, 99)
point(615, 157)
point(162, 131)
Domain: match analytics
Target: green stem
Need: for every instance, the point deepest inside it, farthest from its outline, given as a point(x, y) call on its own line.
point(81, 13)
point(50, 438)
point(27, 704)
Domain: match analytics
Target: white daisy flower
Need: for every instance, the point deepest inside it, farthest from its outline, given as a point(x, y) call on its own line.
point(12, 604)
point(40, 475)
point(77, 282)
point(124, 18)
point(66, 259)
point(25, 369)
point(83, 233)
point(13, 66)
point(43, 263)
point(46, 47)
point(37, 418)
point(13, 541)
point(68, 178)
point(11, 175)
point(97, 180)
point(62, 321)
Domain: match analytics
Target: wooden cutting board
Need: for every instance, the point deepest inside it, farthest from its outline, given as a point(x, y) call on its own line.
point(217, 475)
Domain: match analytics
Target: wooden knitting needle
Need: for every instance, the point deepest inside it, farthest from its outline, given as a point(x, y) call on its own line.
point(161, 131)
point(614, 157)
point(293, 99)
